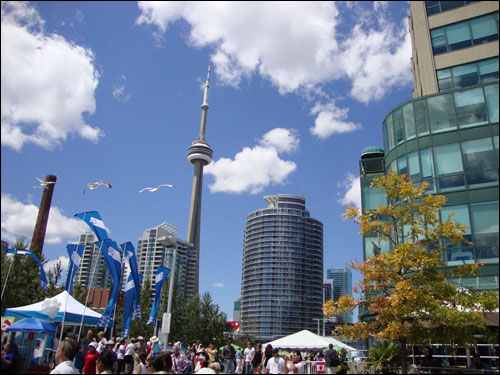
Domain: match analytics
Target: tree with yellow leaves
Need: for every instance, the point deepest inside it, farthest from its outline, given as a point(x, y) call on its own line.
point(405, 290)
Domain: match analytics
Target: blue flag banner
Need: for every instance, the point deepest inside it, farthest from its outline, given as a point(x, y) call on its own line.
point(75, 253)
point(129, 253)
point(43, 278)
point(130, 294)
point(161, 276)
point(112, 257)
point(94, 221)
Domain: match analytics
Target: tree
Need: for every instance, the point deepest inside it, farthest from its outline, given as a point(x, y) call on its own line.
point(53, 277)
point(406, 289)
point(22, 286)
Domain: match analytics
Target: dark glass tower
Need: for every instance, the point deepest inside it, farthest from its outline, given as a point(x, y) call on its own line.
point(282, 276)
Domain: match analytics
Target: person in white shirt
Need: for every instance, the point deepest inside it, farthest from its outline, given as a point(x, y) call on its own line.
point(129, 357)
point(295, 366)
point(120, 356)
point(65, 354)
point(248, 358)
point(276, 364)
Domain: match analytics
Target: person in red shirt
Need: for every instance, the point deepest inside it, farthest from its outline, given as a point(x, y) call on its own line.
point(89, 366)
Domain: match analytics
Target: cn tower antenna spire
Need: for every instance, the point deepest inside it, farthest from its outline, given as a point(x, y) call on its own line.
point(204, 108)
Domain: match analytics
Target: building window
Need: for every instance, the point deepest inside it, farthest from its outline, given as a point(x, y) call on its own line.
point(449, 167)
point(409, 121)
point(427, 168)
point(456, 254)
point(421, 120)
point(465, 34)
point(492, 101)
point(466, 75)
point(479, 163)
point(484, 220)
point(435, 7)
point(471, 108)
point(441, 114)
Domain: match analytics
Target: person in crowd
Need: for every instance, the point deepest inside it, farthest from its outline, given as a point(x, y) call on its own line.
point(257, 358)
point(228, 356)
point(65, 354)
point(248, 356)
point(478, 364)
point(215, 366)
point(332, 360)
point(120, 356)
point(180, 364)
point(239, 361)
point(101, 341)
point(276, 364)
point(83, 349)
point(212, 353)
point(7, 359)
point(162, 363)
point(268, 354)
point(155, 346)
point(129, 356)
point(295, 365)
point(201, 358)
point(141, 366)
point(258, 369)
point(90, 360)
point(105, 362)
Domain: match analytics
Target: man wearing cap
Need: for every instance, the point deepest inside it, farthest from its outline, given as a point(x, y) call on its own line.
point(276, 364)
point(89, 362)
point(155, 346)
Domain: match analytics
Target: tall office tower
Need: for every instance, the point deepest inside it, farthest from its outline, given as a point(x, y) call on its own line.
point(93, 270)
point(327, 290)
point(152, 254)
point(199, 154)
point(447, 134)
point(282, 276)
point(342, 285)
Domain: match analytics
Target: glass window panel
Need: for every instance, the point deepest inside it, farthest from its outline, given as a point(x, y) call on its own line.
point(372, 198)
point(437, 32)
point(427, 166)
point(448, 5)
point(451, 183)
point(441, 113)
point(375, 246)
point(484, 29)
point(478, 155)
point(448, 159)
point(394, 166)
point(458, 35)
point(390, 131)
point(443, 73)
point(445, 84)
point(461, 215)
point(398, 126)
point(482, 179)
point(471, 109)
point(386, 142)
point(488, 70)
point(421, 121)
point(484, 220)
point(492, 100)
point(402, 166)
point(495, 142)
point(409, 121)
point(465, 75)
point(414, 166)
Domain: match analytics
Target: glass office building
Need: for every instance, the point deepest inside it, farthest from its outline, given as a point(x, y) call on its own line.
point(447, 135)
point(282, 276)
point(342, 286)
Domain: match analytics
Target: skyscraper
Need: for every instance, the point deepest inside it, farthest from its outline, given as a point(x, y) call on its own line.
point(199, 154)
point(152, 254)
point(447, 134)
point(282, 276)
point(342, 285)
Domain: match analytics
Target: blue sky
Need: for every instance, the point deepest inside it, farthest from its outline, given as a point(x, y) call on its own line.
point(112, 91)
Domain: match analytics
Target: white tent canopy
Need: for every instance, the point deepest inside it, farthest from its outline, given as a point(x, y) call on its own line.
point(74, 311)
point(306, 340)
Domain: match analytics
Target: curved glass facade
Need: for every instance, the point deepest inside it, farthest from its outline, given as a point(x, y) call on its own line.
point(282, 276)
point(451, 141)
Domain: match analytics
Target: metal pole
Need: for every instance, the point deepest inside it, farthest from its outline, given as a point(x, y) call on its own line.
point(171, 291)
point(8, 273)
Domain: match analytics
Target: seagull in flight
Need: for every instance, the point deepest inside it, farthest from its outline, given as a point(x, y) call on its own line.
point(43, 184)
point(94, 185)
point(155, 189)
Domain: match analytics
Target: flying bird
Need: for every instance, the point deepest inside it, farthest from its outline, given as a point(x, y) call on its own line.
point(155, 189)
point(94, 185)
point(43, 184)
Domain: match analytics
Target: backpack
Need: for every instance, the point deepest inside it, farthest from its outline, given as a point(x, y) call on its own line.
point(335, 359)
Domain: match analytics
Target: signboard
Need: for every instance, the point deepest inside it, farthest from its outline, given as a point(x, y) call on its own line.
point(320, 367)
point(165, 324)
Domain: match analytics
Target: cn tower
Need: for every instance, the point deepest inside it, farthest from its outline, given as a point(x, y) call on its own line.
point(199, 154)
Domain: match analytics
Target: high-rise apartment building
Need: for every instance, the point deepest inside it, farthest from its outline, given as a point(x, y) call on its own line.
point(447, 134)
point(152, 253)
point(282, 276)
point(342, 285)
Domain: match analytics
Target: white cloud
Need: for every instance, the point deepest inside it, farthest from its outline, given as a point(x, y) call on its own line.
point(19, 219)
point(253, 169)
point(217, 285)
point(352, 194)
point(119, 92)
point(51, 264)
point(47, 83)
point(297, 46)
point(331, 120)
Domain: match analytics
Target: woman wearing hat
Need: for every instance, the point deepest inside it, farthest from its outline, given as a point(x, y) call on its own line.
point(155, 346)
point(89, 362)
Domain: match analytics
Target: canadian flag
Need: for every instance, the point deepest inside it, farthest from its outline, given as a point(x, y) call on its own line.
point(235, 325)
point(6, 324)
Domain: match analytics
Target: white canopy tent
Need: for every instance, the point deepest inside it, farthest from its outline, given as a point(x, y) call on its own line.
point(74, 311)
point(306, 341)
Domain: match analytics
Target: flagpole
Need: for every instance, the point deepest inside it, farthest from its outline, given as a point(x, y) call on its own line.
point(8, 273)
point(88, 286)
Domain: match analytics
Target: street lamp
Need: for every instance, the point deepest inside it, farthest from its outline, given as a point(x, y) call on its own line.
point(169, 241)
